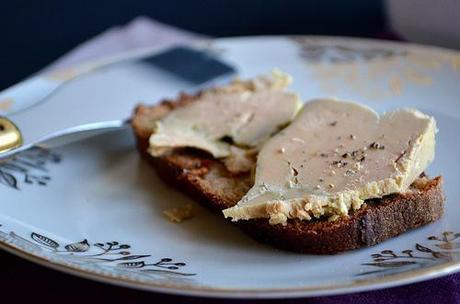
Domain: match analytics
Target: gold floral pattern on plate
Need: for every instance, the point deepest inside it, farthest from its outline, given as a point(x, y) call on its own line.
point(445, 249)
point(374, 72)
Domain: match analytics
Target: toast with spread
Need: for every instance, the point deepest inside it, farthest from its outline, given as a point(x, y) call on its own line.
point(321, 178)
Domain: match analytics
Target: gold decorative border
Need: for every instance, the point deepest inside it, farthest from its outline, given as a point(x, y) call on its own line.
point(198, 290)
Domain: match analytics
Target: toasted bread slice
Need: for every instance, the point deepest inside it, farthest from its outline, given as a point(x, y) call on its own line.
point(209, 182)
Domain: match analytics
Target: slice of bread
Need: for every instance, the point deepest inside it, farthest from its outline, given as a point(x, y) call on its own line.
point(209, 182)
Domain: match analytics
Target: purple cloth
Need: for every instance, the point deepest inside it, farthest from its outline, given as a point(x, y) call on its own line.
point(146, 33)
point(442, 290)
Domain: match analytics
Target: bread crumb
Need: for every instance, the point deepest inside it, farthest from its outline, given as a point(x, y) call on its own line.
point(333, 218)
point(179, 214)
point(420, 183)
point(240, 160)
point(278, 218)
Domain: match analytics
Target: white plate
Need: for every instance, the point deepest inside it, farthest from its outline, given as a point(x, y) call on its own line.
point(94, 209)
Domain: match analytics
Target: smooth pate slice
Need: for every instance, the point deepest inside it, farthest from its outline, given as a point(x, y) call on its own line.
point(225, 120)
point(334, 156)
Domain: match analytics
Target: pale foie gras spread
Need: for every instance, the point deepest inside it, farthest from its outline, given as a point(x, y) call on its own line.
point(334, 156)
point(248, 112)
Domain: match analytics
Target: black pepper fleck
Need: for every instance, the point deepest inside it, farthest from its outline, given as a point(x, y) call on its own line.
point(349, 172)
point(294, 170)
point(400, 156)
point(339, 163)
point(376, 145)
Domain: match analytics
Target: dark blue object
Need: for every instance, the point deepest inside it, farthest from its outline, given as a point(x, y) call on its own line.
point(194, 66)
point(35, 33)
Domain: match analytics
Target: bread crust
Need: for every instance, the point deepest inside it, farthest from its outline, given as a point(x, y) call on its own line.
point(208, 181)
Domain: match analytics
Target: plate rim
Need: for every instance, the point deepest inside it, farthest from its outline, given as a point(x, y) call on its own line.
point(393, 280)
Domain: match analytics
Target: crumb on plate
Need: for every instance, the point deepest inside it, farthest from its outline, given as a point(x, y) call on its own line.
point(179, 214)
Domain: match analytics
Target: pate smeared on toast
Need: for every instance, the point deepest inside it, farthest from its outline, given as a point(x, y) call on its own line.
point(245, 112)
point(333, 157)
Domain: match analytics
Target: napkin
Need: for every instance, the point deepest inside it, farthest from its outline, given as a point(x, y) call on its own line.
point(140, 33)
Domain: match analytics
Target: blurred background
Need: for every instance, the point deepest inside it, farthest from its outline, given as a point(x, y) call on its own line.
point(35, 33)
